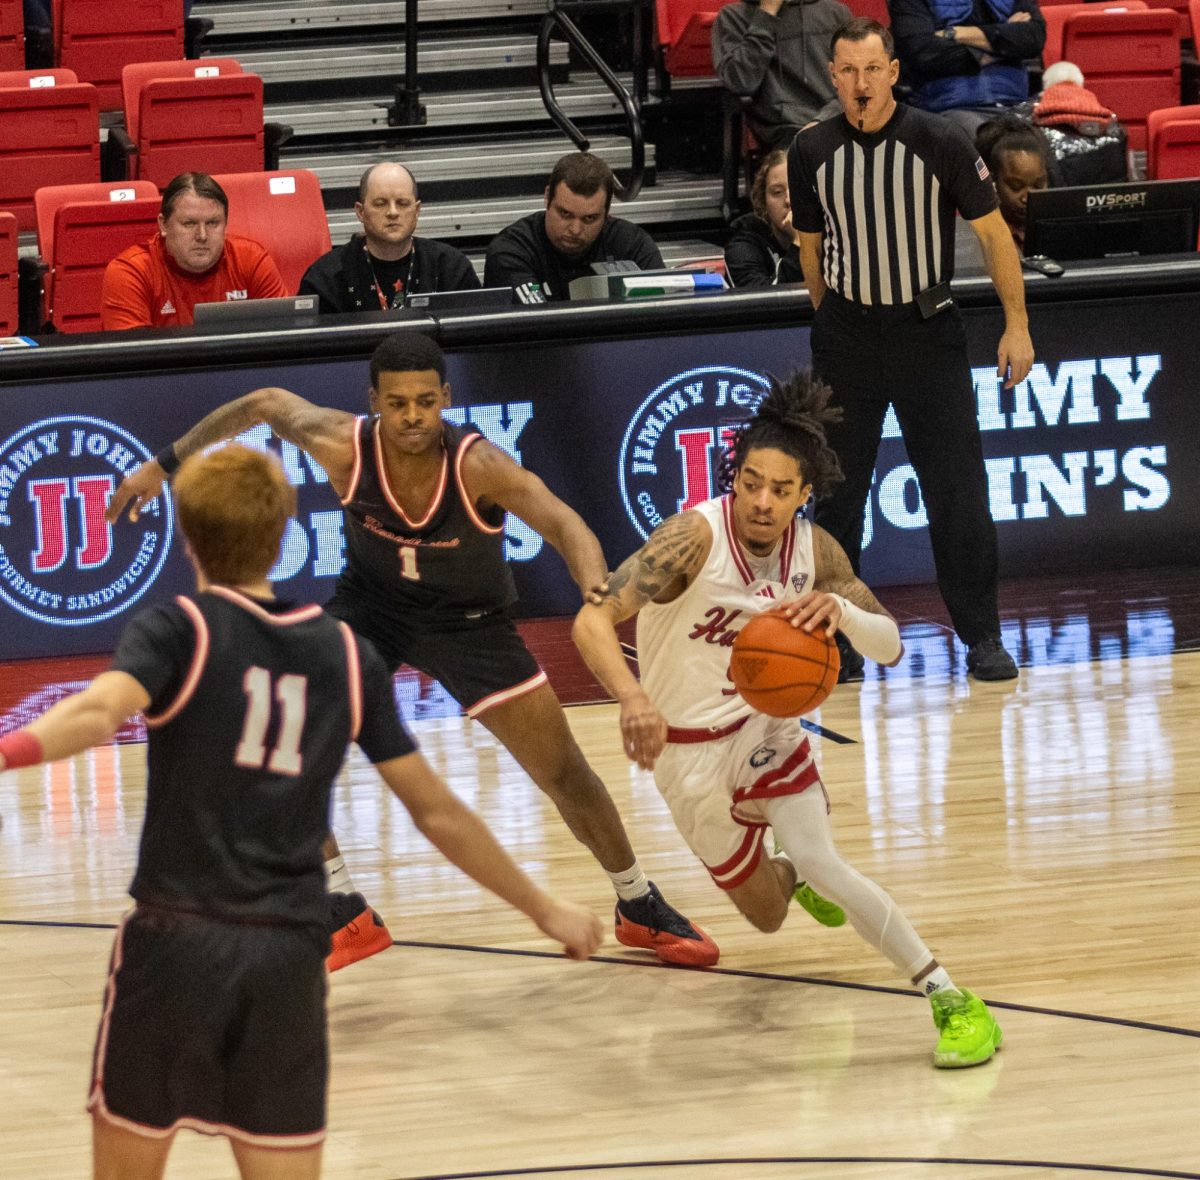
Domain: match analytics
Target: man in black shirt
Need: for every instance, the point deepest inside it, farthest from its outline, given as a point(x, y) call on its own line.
point(874, 196)
point(540, 254)
point(966, 59)
point(376, 269)
point(214, 1014)
point(425, 581)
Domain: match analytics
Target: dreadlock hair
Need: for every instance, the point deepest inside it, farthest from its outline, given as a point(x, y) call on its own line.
point(792, 419)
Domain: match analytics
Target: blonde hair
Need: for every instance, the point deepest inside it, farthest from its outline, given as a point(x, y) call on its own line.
point(234, 504)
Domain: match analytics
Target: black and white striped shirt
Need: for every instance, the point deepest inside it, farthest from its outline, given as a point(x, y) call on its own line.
point(885, 201)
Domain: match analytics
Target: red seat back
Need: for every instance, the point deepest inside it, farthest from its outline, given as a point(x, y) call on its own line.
point(97, 39)
point(1173, 143)
point(1130, 61)
point(81, 229)
point(12, 35)
point(285, 212)
point(1057, 15)
point(685, 34)
point(206, 117)
point(8, 274)
point(36, 79)
point(877, 10)
point(48, 136)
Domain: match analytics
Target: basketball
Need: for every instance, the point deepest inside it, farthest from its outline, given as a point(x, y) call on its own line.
point(782, 670)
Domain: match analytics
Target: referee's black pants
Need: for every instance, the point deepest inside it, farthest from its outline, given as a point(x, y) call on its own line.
point(871, 356)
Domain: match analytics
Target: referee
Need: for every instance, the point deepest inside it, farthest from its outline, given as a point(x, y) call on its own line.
point(874, 195)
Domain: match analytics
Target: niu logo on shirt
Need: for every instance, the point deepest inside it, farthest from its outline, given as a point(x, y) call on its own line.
point(61, 562)
point(232, 296)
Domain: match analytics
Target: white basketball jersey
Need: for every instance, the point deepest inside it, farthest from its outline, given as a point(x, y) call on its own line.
point(684, 646)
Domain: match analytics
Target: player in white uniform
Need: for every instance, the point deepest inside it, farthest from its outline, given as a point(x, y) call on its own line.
point(726, 771)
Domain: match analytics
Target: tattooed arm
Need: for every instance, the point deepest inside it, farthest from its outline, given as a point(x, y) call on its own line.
point(841, 601)
point(327, 435)
point(658, 572)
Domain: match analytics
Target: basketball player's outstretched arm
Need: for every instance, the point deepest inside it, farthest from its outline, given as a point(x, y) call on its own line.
point(492, 476)
point(84, 719)
point(327, 435)
point(466, 841)
point(660, 570)
point(841, 601)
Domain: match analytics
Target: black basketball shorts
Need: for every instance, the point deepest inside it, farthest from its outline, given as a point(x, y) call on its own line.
point(215, 1026)
point(479, 659)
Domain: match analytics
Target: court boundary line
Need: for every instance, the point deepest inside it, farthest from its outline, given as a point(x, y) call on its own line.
point(760, 1161)
point(733, 972)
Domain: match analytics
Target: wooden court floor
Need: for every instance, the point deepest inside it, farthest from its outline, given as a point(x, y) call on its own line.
point(1044, 837)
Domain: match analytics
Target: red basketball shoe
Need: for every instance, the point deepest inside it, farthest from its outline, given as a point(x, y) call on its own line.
point(357, 931)
point(650, 923)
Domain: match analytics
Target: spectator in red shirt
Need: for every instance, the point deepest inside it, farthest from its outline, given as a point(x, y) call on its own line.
point(191, 260)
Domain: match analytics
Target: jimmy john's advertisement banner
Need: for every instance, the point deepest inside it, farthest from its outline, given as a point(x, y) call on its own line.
point(1091, 462)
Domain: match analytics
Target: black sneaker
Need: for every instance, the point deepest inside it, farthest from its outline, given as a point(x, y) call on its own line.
point(650, 923)
point(987, 660)
point(853, 668)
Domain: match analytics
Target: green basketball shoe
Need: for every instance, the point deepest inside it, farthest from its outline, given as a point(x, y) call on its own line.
point(968, 1033)
point(825, 912)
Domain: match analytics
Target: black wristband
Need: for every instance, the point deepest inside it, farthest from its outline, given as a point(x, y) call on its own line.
point(167, 459)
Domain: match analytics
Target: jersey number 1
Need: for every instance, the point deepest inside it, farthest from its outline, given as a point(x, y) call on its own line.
point(291, 692)
point(408, 563)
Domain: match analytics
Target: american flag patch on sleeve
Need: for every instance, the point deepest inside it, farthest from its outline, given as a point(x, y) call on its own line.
point(982, 169)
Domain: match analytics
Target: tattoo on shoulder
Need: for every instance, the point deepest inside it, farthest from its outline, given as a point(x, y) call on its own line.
point(672, 552)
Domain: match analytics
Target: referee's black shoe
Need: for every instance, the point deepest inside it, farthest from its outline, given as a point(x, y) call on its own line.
point(987, 660)
point(852, 668)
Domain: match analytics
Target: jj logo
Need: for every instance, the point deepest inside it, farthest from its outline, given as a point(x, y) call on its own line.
point(60, 561)
point(675, 439)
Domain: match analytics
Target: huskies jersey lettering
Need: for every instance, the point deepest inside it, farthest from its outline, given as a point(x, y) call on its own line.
point(684, 646)
point(252, 705)
point(450, 558)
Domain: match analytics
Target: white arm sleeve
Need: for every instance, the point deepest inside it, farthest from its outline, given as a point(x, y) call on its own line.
point(876, 636)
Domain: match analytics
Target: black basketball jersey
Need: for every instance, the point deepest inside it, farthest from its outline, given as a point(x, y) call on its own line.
point(449, 559)
point(252, 706)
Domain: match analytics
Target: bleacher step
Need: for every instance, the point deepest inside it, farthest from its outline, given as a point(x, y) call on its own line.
point(458, 162)
point(461, 55)
point(289, 16)
point(582, 99)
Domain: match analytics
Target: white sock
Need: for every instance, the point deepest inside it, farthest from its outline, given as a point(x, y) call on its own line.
point(631, 884)
point(337, 876)
point(938, 980)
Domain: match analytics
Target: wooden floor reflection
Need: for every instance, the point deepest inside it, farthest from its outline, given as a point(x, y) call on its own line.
point(1042, 835)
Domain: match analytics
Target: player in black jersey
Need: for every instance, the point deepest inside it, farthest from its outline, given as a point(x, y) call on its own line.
point(214, 1015)
point(426, 582)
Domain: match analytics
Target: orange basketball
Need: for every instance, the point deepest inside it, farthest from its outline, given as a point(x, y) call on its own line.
point(782, 670)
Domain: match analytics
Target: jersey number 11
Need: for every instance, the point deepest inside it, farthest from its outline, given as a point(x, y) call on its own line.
point(291, 692)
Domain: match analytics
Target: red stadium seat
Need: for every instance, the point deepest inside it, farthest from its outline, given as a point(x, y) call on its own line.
point(1057, 15)
point(12, 35)
point(1173, 143)
point(877, 10)
point(1130, 61)
point(81, 229)
point(192, 116)
point(49, 134)
point(8, 275)
point(285, 212)
point(97, 39)
point(685, 34)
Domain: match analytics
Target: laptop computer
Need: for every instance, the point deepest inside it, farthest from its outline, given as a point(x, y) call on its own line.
point(470, 300)
point(248, 313)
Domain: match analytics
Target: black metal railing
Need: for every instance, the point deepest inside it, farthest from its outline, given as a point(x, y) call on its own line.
point(558, 21)
point(407, 109)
